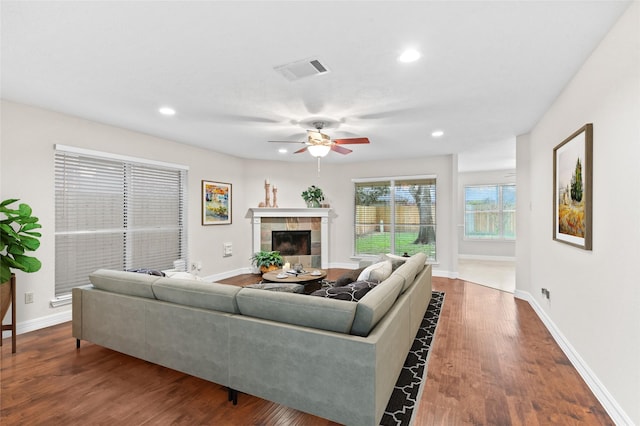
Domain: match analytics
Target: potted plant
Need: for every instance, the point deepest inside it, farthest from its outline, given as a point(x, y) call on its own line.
point(312, 196)
point(17, 236)
point(267, 260)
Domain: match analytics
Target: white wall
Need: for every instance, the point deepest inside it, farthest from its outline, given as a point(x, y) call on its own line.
point(595, 296)
point(482, 248)
point(28, 136)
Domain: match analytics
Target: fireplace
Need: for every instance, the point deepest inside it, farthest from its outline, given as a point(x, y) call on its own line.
point(315, 222)
point(291, 243)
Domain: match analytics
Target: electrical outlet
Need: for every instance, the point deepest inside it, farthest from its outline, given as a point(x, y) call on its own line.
point(28, 297)
point(546, 293)
point(196, 266)
point(227, 249)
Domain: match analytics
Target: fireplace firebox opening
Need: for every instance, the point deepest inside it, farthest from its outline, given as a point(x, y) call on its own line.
point(291, 243)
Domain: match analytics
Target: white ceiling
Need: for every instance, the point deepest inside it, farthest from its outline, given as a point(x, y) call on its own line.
point(489, 70)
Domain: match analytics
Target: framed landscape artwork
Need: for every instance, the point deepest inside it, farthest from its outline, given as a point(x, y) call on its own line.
point(573, 189)
point(216, 203)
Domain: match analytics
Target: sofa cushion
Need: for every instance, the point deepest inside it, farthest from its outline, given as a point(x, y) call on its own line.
point(129, 283)
point(375, 304)
point(199, 294)
point(410, 269)
point(348, 277)
point(297, 309)
point(396, 261)
point(377, 272)
point(351, 292)
point(182, 275)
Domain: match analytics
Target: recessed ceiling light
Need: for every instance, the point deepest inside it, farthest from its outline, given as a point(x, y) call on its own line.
point(283, 150)
point(437, 133)
point(409, 55)
point(167, 111)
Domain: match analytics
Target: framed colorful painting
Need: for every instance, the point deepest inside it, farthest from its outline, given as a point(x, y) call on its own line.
point(216, 203)
point(573, 189)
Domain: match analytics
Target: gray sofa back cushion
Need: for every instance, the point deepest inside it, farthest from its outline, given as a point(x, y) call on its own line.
point(129, 283)
point(199, 294)
point(298, 309)
point(411, 268)
point(375, 304)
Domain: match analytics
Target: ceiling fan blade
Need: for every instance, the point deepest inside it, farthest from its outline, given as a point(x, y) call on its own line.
point(286, 141)
point(301, 150)
point(340, 149)
point(345, 141)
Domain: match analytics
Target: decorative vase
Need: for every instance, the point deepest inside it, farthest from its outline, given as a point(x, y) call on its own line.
point(265, 269)
point(5, 297)
point(313, 204)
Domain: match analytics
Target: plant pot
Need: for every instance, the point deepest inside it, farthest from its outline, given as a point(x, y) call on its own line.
point(265, 269)
point(313, 204)
point(5, 297)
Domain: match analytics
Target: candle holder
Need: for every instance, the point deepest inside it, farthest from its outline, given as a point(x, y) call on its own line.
point(267, 201)
point(275, 197)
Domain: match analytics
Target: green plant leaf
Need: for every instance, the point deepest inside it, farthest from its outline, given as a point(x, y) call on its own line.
point(5, 273)
point(8, 201)
point(29, 264)
point(25, 219)
point(8, 230)
point(30, 243)
point(30, 226)
point(10, 262)
point(25, 210)
point(15, 249)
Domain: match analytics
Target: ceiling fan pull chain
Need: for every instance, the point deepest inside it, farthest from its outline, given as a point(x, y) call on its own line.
point(318, 166)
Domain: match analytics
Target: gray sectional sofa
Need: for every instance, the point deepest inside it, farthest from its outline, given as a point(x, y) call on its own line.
point(332, 358)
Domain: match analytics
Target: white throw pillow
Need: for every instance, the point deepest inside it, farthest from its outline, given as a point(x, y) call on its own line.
point(377, 272)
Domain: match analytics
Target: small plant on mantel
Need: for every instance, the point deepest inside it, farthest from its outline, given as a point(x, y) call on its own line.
point(312, 196)
point(267, 260)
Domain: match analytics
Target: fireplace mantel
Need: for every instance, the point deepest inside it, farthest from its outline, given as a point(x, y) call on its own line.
point(289, 212)
point(256, 215)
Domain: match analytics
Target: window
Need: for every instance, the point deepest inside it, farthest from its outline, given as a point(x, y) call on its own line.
point(116, 213)
point(395, 215)
point(490, 212)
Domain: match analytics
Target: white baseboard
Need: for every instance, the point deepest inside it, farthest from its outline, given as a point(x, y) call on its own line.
point(485, 257)
point(38, 323)
point(444, 274)
point(611, 406)
point(228, 274)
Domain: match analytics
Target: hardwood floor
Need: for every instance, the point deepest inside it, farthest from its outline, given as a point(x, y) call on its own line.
point(492, 363)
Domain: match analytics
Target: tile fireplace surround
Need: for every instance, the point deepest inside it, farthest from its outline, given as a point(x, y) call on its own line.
point(265, 220)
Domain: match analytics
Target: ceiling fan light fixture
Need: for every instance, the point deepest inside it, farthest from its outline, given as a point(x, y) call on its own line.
point(409, 55)
point(165, 110)
point(319, 150)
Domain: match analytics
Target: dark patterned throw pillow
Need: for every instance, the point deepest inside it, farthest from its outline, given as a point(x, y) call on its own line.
point(351, 292)
point(147, 271)
point(348, 277)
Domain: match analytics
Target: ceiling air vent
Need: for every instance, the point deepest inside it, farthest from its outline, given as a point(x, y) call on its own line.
point(301, 69)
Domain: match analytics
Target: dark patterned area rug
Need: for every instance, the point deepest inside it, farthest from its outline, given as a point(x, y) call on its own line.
point(404, 400)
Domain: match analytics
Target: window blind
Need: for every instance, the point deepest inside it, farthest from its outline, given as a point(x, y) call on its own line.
point(397, 215)
point(117, 214)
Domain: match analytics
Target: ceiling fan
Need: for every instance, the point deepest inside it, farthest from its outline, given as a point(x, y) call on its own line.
point(319, 144)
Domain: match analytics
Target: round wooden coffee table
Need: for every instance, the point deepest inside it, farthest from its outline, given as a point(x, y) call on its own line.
point(308, 276)
point(310, 281)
